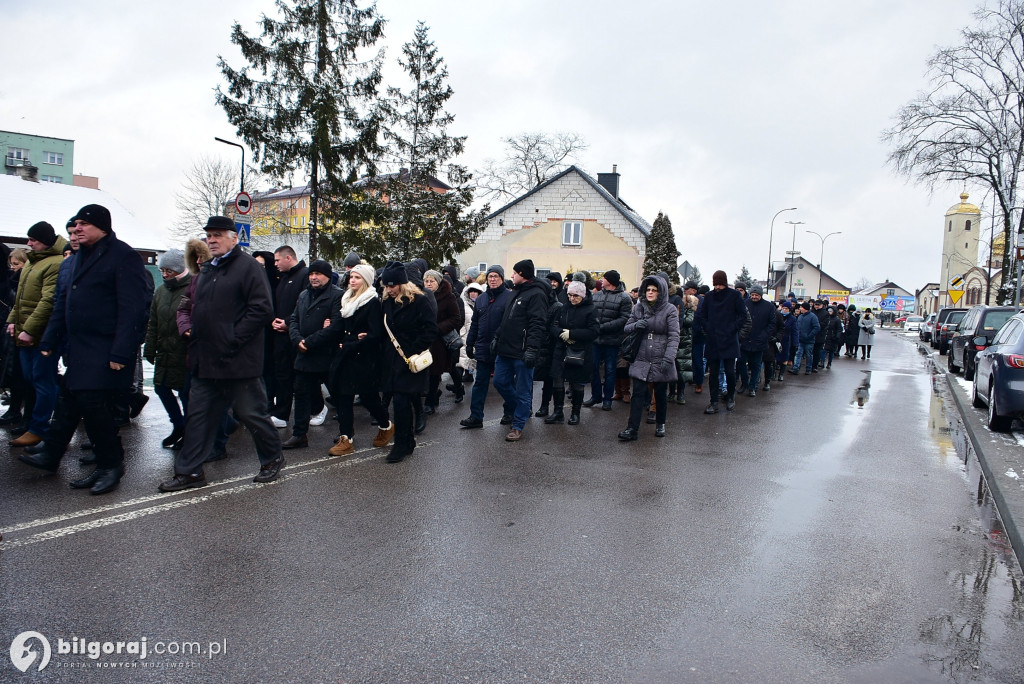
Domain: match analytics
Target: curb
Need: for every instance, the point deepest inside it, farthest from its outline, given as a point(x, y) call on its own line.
point(1007, 502)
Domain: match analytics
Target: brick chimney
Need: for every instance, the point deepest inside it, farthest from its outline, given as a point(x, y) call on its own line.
point(610, 181)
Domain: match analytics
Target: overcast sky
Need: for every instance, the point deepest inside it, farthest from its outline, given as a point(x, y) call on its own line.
point(718, 114)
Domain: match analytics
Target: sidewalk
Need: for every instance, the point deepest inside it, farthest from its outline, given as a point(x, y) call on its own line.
point(1001, 456)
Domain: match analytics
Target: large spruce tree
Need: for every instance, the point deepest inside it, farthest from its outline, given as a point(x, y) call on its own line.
point(744, 277)
point(405, 213)
point(307, 100)
point(662, 254)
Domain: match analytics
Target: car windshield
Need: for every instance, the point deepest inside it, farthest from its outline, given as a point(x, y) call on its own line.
point(955, 317)
point(995, 319)
point(915, 319)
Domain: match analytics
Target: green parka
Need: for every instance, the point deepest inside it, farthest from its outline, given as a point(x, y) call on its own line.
point(684, 355)
point(37, 287)
point(164, 347)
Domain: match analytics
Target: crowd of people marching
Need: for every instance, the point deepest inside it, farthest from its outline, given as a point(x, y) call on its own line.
point(254, 339)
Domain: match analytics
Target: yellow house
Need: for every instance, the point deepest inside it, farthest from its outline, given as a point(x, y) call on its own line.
point(571, 220)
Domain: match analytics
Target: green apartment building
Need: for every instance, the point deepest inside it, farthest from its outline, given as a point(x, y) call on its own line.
point(53, 157)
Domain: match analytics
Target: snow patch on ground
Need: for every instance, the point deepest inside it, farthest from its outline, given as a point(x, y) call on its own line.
point(1012, 474)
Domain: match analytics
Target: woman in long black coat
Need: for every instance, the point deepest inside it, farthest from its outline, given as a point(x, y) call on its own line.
point(355, 368)
point(574, 330)
point(412, 324)
point(449, 317)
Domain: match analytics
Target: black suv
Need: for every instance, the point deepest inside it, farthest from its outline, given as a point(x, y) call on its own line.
point(980, 321)
point(944, 325)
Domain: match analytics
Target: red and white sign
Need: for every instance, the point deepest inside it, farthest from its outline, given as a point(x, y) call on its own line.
point(243, 203)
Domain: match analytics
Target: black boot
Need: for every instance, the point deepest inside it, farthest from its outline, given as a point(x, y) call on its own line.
point(421, 422)
point(460, 386)
point(559, 402)
point(171, 439)
point(577, 402)
point(545, 399)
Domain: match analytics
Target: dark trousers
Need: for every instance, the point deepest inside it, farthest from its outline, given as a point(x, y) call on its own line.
point(174, 410)
point(819, 349)
point(405, 439)
point(307, 390)
point(208, 400)
point(750, 368)
point(284, 375)
point(481, 384)
point(41, 372)
point(371, 402)
point(605, 357)
point(93, 408)
point(642, 399)
point(715, 366)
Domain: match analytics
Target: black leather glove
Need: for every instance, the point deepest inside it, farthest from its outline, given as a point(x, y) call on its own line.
point(641, 324)
point(530, 358)
point(470, 353)
point(666, 367)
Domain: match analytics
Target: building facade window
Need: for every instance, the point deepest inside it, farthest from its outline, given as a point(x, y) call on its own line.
point(17, 154)
point(53, 158)
point(51, 179)
point(572, 233)
point(950, 229)
point(967, 226)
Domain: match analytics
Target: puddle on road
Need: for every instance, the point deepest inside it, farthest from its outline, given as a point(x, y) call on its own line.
point(956, 451)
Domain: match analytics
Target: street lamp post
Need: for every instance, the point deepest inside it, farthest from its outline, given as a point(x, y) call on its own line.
point(228, 142)
point(792, 257)
point(821, 258)
point(771, 232)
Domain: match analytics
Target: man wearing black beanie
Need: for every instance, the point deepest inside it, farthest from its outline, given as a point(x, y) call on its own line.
point(522, 333)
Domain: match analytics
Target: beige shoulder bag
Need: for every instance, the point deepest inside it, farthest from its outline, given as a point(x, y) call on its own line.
point(416, 362)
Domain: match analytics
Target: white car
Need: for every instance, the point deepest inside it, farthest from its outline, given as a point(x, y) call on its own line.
point(913, 323)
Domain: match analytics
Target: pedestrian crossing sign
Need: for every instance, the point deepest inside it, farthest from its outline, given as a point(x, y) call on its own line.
point(243, 233)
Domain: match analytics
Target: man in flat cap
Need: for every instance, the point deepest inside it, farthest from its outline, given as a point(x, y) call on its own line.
point(230, 313)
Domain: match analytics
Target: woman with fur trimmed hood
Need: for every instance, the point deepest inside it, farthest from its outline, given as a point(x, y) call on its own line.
point(658, 321)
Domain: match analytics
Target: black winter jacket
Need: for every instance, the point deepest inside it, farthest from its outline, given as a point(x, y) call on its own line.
point(524, 325)
point(230, 313)
point(414, 325)
point(307, 323)
point(581, 322)
point(762, 325)
point(612, 313)
point(725, 321)
point(355, 367)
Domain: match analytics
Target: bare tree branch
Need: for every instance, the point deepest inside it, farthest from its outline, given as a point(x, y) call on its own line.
point(530, 159)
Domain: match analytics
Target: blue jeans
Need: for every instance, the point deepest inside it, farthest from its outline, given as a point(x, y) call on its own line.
point(481, 384)
point(514, 382)
point(698, 363)
point(40, 372)
point(606, 355)
point(804, 350)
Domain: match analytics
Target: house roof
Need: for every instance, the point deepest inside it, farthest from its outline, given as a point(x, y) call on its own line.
point(878, 286)
point(23, 203)
point(403, 175)
point(627, 212)
point(781, 279)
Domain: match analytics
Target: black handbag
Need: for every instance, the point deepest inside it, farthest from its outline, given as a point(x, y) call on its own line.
point(453, 341)
point(630, 346)
point(575, 356)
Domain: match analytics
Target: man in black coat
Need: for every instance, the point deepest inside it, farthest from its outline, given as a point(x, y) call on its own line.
point(99, 322)
point(726, 322)
point(230, 312)
point(293, 281)
point(821, 312)
point(522, 333)
point(762, 330)
point(612, 305)
point(319, 302)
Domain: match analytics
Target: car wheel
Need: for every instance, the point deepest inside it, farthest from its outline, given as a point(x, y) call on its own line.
point(995, 421)
point(976, 400)
point(952, 367)
point(968, 368)
point(943, 348)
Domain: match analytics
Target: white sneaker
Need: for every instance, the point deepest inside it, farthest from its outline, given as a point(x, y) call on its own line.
point(319, 418)
point(278, 423)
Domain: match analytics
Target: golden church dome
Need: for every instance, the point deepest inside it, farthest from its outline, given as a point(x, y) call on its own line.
point(964, 207)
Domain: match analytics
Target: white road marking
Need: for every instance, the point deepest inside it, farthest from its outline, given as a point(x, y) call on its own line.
point(171, 505)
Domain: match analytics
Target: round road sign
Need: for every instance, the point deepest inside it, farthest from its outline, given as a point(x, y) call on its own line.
point(243, 203)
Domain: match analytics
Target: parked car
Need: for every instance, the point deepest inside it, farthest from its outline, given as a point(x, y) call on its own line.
point(913, 323)
point(976, 330)
point(999, 378)
point(944, 328)
point(899, 321)
point(925, 333)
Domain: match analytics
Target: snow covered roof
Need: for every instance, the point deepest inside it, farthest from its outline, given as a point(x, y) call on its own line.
point(23, 203)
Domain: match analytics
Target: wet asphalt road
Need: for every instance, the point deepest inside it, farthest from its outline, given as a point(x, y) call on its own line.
point(806, 537)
